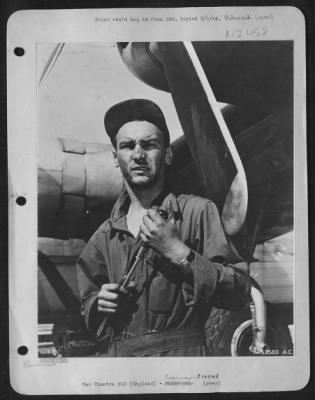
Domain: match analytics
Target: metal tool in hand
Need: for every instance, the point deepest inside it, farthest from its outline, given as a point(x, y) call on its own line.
point(108, 332)
point(140, 255)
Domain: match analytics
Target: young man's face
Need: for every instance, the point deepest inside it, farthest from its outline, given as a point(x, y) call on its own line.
point(141, 154)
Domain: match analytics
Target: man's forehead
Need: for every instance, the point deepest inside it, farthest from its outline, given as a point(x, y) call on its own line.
point(139, 130)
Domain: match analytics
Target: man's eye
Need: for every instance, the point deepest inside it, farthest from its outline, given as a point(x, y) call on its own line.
point(126, 146)
point(149, 145)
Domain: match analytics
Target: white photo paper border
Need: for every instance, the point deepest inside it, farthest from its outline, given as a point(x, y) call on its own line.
point(28, 373)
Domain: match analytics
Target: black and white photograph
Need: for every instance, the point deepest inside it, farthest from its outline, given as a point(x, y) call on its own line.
point(165, 176)
point(204, 275)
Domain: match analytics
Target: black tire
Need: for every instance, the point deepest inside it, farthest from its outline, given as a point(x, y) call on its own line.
point(229, 333)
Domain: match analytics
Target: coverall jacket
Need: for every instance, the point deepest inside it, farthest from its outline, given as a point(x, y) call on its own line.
point(170, 306)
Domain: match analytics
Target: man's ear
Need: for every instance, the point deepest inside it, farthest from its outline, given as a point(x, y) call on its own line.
point(115, 159)
point(169, 156)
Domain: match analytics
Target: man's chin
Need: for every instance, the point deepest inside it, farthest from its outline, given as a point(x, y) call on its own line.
point(141, 183)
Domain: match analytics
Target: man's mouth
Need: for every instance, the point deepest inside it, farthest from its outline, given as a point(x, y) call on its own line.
point(139, 169)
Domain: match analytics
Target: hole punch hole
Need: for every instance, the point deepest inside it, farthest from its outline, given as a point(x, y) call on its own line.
point(21, 201)
point(19, 51)
point(22, 350)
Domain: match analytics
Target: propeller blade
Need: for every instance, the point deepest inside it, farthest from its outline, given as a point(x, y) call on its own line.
point(210, 142)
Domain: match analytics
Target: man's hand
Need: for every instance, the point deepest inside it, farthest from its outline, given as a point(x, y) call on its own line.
point(112, 298)
point(162, 235)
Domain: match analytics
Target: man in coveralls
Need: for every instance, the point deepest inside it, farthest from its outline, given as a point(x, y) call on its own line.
point(187, 267)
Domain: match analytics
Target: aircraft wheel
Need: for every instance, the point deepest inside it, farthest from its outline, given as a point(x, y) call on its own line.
point(230, 333)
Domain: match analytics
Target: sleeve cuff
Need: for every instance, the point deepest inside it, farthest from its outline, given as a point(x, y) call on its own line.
point(91, 316)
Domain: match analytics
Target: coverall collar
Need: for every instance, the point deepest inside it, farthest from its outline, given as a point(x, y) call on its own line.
point(120, 209)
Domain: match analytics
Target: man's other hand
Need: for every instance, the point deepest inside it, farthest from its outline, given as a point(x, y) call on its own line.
point(113, 298)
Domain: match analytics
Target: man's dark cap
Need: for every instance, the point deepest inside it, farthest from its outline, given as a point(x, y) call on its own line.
point(134, 110)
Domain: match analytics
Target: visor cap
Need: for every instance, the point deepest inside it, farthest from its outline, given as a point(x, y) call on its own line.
point(134, 110)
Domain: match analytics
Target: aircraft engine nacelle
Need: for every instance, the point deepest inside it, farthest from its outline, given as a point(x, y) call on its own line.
point(143, 59)
point(78, 184)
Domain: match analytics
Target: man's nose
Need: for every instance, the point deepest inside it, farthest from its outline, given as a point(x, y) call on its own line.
point(138, 152)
